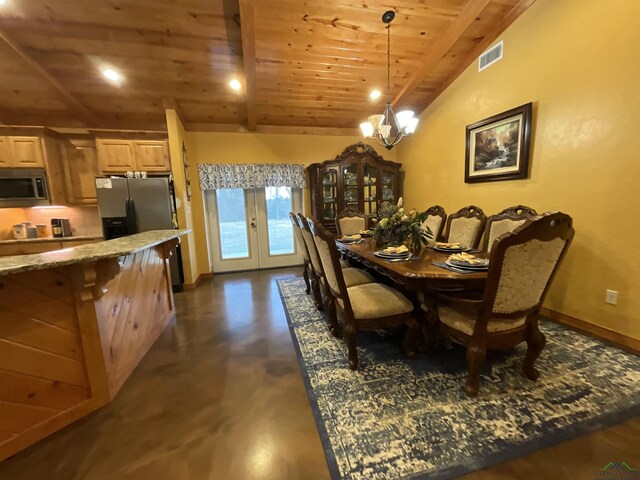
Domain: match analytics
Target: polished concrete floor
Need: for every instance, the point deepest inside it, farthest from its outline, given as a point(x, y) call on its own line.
point(220, 396)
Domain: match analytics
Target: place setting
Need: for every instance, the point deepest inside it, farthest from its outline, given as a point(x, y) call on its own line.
point(394, 254)
point(450, 247)
point(356, 238)
point(464, 263)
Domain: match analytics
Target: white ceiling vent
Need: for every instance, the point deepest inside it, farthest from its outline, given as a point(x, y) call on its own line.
point(490, 57)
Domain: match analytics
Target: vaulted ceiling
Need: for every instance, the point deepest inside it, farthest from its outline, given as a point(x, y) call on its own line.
point(304, 65)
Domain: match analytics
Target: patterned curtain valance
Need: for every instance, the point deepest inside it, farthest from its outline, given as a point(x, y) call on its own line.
point(216, 176)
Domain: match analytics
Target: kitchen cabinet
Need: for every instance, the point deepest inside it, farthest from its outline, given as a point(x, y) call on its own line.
point(115, 156)
point(357, 179)
point(81, 166)
point(5, 152)
point(119, 156)
point(21, 152)
point(152, 156)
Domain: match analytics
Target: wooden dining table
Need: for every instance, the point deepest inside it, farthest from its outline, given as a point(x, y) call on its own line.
point(417, 274)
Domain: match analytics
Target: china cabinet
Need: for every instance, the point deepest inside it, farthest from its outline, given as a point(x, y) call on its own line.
point(359, 179)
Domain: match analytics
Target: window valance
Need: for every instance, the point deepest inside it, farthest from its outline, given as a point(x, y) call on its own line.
point(216, 176)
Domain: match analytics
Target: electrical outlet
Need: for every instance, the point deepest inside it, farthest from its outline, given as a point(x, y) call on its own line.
point(611, 297)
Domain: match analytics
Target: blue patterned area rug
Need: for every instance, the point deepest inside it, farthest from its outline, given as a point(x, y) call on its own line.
point(400, 418)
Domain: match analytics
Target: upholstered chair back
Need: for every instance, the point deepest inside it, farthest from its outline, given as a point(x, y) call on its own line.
point(466, 225)
point(350, 221)
point(436, 217)
point(311, 246)
point(505, 222)
point(297, 233)
point(524, 263)
point(328, 252)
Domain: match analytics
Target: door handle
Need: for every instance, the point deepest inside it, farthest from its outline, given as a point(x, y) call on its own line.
point(253, 223)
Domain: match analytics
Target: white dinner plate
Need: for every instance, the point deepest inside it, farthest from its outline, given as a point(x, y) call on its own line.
point(480, 268)
point(452, 250)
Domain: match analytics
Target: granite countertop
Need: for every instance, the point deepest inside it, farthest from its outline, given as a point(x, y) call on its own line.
point(13, 241)
point(90, 252)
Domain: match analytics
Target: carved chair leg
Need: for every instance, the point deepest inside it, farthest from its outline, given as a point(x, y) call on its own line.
point(476, 354)
point(305, 275)
point(411, 338)
point(332, 315)
point(350, 333)
point(315, 288)
point(535, 344)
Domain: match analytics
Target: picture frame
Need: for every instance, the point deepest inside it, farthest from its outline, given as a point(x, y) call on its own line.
point(497, 148)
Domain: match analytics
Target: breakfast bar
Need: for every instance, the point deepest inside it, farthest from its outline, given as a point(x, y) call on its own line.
point(74, 324)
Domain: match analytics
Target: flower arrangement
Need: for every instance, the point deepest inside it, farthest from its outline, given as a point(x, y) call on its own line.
point(394, 227)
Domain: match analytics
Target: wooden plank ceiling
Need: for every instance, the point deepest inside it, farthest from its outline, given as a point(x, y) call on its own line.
point(307, 65)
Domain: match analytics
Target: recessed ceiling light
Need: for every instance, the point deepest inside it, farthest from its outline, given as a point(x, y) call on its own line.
point(375, 94)
point(235, 84)
point(111, 74)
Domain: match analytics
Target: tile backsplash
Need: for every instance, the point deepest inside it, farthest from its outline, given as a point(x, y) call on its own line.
point(84, 220)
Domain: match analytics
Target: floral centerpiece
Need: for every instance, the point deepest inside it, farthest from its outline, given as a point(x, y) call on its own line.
point(394, 227)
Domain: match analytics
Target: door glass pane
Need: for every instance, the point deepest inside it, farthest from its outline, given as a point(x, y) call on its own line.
point(278, 222)
point(234, 240)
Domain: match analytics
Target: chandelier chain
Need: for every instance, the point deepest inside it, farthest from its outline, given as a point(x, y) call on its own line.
point(389, 63)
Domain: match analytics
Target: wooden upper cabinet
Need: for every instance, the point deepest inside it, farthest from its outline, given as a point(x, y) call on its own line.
point(5, 153)
point(26, 152)
point(119, 156)
point(152, 155)
point(116, 156)
point(80, 169)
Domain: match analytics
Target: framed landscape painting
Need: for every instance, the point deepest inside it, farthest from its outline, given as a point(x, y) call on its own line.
point(498, 147)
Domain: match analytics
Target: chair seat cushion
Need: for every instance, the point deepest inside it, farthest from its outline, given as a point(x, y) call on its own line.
point(465, 322)
point(356, 276)
point(344, 264)
point(375, 300)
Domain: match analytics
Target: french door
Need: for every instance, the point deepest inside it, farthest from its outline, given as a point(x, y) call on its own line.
point(250, 229)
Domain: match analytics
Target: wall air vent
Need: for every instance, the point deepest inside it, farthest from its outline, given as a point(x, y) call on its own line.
point(491, 56)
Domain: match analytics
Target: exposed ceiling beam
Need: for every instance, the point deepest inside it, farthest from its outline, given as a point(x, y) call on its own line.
point(248, 30)
point(273, 129)
point(485, 43)
point(172, 104)
point(468, 15)
point(69, 100)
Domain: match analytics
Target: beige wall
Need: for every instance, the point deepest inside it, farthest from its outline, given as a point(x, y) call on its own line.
point(578, 61)
point(210, 147)
point(176, 134)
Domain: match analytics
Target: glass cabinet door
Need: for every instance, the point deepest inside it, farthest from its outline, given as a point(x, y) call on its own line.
point(370, 187)
point(389, 182)
point(351, 192)
point(330, 194)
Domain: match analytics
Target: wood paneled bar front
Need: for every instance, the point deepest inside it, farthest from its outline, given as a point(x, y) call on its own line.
point(74, 324)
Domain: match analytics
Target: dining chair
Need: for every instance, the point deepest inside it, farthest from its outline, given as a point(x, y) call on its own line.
point(350, 221)
point(369, 306)
point(297, 233)
point(521, 269)
point(465, 226)
point(321, 295)
point(505, 222)
point(436, 218)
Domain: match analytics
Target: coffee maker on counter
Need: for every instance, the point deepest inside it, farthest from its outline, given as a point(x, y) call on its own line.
point(60, 227)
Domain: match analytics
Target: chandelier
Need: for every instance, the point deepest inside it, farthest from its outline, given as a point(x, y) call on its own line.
point(389, 128)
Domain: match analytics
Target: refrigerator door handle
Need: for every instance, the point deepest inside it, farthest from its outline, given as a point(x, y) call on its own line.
point(132, 221)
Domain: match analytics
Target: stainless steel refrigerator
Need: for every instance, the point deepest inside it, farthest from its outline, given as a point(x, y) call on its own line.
point(134, 205)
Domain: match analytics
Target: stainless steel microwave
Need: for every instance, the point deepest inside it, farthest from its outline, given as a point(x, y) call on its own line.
point(23, 187)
